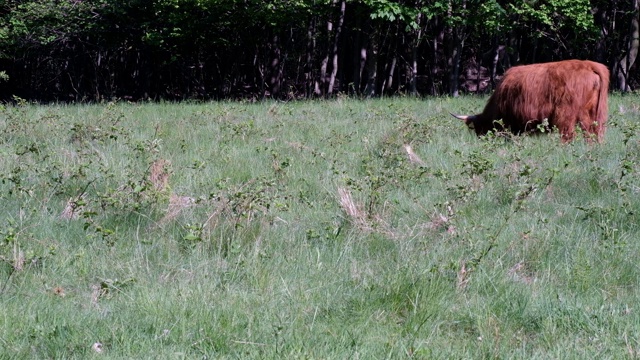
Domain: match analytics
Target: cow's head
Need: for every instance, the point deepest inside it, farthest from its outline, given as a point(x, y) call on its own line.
point(468, 119)
point(476, 122)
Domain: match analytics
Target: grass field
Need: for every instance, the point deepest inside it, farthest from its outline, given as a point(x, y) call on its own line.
point(345, 229)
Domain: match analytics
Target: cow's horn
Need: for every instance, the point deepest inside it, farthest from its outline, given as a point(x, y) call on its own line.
point(461, 117)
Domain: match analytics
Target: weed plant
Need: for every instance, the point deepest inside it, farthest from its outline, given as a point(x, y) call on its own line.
point(328, 229)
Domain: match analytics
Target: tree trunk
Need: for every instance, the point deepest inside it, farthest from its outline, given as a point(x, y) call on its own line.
point(498, 52)
point(413, 77)
point(621, 68)
point(602, 18)
point(391, 68)
point(275, 68)
point(435, 80)
point(456, 43)
point(359, 67)
point(390, 52)
point(320, 83)
point(413, 68)
point(334, 64)
point(359, 57)
point(454, 66)
point(308, 68)
point(478, 72)
point(372, 67)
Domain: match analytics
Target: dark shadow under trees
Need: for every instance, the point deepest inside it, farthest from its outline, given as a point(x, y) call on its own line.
point(95, 50)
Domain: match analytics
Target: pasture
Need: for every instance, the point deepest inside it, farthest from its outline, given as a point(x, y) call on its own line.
point(345, 229)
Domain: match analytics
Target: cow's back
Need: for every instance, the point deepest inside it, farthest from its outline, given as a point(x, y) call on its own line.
point(523, 97)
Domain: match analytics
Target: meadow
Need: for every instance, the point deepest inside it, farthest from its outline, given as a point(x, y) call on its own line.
point(343, 229)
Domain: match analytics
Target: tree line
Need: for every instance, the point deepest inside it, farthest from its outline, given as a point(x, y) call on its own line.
point(94, 50)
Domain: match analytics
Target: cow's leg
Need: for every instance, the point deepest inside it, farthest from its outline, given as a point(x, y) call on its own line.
point(588, 113)
point(567, 131)
point(566, 124)
point(589, 127)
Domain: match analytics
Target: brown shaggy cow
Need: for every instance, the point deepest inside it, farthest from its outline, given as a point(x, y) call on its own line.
point(562, 94)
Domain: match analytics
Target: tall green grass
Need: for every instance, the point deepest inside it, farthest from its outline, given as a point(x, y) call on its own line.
point(328, 229)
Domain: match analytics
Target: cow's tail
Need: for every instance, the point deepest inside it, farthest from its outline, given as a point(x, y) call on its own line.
point(602, 108)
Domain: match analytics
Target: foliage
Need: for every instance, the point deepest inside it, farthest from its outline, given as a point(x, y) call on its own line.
point(555, 16)
point(327, 229)
point(177, 49)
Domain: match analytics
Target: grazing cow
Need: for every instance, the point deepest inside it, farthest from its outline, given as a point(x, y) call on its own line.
point(560, 94)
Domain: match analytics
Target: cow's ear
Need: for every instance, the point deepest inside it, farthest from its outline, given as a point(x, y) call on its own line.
point(471, 123)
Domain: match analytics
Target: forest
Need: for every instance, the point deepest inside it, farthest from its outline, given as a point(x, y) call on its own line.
point(97, 50)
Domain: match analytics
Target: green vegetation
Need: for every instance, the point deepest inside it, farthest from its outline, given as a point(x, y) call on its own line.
point(101, 50)
point(329, 229)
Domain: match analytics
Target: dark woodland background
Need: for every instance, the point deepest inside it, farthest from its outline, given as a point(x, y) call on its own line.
point(95, 50)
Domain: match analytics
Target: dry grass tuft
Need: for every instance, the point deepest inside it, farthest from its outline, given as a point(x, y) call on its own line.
point(176, 205)
point(463, 276)
point(59, 291)
point(159, 178)
point(519, 272)
point(438, 222)
point(413, 157)
point(159, 174)
point(353, 211)
point(72, 208)
point(360, 219)
point(18, 259)
point(299, 146)
point(274, 109)
point(96, 293)
point(212, 219)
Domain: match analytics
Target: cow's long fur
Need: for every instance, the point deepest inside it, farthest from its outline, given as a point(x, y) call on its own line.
point(564, 93)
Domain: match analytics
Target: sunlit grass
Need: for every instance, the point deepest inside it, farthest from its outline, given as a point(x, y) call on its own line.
point(329, 229)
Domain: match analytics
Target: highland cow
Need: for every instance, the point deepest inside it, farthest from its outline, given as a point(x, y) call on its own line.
point(557, 94)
